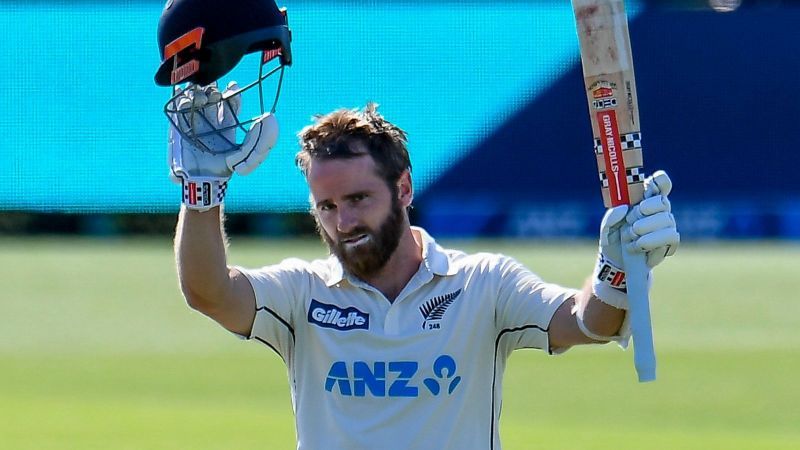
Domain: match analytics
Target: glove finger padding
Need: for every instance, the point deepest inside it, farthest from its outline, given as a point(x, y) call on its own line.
point(610, 243)
point(648, 207)
point(190, 102)
point(228, 113)
point(660, 237)
point(174, 156)
point(609, 277)
point(212, 92)
point(658, 183)
point(258, 141)
point(184, 110)
point(650, 224)
point(654, 235)
point(661, 243)
point(212, 110)
point(612, 221)
point(233, 101)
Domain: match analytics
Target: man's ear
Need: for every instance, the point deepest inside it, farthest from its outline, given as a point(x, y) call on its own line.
point(405, 190)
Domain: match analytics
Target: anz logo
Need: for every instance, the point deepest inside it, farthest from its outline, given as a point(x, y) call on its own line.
point(392, 378)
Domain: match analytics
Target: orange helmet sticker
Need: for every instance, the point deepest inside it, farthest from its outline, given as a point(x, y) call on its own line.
point(189, 41)
point(194, 37)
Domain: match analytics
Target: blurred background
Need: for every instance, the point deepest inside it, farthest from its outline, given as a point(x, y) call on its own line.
point(97, 349)
point(489, 92)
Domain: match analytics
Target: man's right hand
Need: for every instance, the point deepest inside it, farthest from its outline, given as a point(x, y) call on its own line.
point(203, 152)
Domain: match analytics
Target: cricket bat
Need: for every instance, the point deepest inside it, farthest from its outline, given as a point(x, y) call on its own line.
point(611, 92)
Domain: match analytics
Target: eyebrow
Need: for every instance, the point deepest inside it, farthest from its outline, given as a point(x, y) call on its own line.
point(350, 196)
point(357, 194)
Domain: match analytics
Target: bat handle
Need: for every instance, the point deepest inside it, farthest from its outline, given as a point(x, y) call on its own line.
point(636, 272)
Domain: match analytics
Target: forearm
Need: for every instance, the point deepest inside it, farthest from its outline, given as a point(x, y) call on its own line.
point(200, 256)
point(600, 318)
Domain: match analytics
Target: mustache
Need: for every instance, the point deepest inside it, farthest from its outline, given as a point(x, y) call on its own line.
point(355, 233)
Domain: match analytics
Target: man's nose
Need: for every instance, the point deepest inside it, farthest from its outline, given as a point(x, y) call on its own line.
point(347, 220)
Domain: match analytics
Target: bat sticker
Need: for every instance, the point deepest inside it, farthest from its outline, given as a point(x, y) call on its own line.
point(630, 141)
point(633, 175)
point(602, 89)
point(604, 103)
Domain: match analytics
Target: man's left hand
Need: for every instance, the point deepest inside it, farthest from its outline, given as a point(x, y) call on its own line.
point(652, 227)
point(648, 227)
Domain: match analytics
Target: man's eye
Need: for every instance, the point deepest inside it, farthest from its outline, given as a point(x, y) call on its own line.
point(326, 207)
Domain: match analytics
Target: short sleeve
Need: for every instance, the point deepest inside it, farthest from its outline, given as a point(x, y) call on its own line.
point(279, 292)
point(525, 306)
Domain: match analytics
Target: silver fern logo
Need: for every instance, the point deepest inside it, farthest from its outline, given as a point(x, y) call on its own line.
point(433, 310)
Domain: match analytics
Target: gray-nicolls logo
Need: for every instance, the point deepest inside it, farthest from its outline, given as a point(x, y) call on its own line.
point(433, 310)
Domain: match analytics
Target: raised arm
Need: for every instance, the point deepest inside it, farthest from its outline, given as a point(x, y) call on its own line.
point(207, 283)
point(203, 155)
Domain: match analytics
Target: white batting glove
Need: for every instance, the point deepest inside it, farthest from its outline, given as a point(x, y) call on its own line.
point(652, 226)
point(204, 165)
point(648, 227)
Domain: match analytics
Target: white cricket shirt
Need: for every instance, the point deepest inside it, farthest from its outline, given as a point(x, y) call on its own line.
point(423, 372)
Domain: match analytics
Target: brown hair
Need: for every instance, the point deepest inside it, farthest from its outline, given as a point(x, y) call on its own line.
point(335, 134)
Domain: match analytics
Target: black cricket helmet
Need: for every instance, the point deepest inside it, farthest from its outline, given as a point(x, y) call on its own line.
point(202, 40)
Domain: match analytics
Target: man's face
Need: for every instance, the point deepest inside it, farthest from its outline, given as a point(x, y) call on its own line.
point(358, 216)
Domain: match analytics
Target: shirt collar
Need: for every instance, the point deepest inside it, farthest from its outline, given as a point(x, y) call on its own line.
point(336, 272)
point(434, 259)
point(433, 255)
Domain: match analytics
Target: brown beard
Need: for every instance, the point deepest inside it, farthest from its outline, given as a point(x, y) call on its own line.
point(368, 259)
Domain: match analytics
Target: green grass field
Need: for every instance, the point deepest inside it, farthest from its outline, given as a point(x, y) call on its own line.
point(98, 351)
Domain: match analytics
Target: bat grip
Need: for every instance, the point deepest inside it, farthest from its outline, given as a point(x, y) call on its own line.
point(636, 272)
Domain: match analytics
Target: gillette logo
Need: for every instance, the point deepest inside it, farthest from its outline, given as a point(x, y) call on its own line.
point(331, 316)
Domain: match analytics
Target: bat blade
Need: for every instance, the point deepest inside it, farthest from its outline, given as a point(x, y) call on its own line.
point(613, 108)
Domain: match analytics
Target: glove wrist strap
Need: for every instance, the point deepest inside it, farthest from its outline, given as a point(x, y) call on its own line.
point(608, 283)
point(203, 193)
